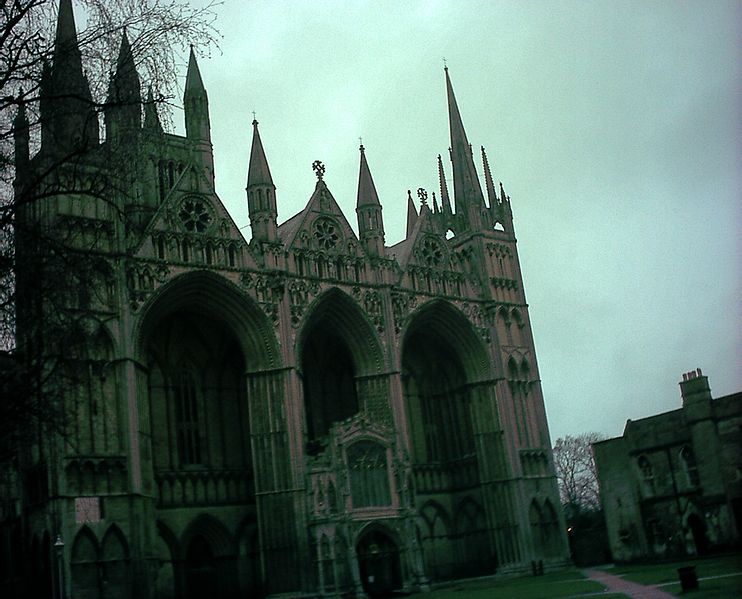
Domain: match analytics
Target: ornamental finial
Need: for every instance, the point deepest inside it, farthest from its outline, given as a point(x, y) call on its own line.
point(423, 195)
point(319, 169)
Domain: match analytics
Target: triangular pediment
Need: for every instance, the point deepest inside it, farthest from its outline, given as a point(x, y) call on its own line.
point(192, 211)
point(425, 247)
point(321, 226)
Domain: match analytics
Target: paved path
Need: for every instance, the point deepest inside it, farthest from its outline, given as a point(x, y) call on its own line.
point(616, 584)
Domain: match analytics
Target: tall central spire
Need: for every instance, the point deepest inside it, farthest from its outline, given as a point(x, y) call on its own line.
point(466, 187)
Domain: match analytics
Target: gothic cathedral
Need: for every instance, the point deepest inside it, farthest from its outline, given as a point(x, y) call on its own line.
point(310, 412)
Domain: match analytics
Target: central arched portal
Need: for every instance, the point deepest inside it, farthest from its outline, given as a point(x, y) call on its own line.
point(341, 367)
point(329, 381)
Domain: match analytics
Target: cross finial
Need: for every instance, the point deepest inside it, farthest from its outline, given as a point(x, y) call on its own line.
point(319, 169)
point(445, 63)
point(423, 195)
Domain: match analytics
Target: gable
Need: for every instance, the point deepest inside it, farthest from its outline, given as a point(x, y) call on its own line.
point(320, 227)
point(193, 213)
point(426, 247)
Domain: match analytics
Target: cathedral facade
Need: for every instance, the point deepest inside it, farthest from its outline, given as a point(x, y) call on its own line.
point(310, 412)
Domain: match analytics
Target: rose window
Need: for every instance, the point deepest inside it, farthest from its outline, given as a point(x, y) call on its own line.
point(431, 252)
point(194, 215)
point(326, 233)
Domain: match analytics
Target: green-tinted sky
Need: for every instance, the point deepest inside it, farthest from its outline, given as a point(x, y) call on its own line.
point(615, 127)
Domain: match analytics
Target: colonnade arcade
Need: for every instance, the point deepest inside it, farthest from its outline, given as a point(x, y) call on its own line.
point(244, 454)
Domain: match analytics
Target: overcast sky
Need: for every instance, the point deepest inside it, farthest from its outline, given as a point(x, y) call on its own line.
point(614, 126)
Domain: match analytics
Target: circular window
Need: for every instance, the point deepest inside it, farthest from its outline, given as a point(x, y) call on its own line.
point(431, 252)
point(326, 233)
point(194, 215)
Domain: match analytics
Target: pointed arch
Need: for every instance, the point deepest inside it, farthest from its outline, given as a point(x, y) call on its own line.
point(210, 294)
point(114, 545)
point(340, 359)
point(525, 370)
point(337, 309)
point(513, 370)
point(84, 565)
point(436, 518)
point(441, 319)
point(114, 563)
point(213, 531)
point(474, 553)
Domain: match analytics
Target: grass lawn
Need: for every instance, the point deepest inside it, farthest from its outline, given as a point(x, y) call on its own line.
point(568, 583)
point(659, 574)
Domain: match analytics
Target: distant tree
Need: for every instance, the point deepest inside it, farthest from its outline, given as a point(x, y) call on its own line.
point(577, 474)
point(56, 272)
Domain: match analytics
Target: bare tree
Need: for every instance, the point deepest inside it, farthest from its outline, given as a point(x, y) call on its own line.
point(576, 472)
point(47, 273)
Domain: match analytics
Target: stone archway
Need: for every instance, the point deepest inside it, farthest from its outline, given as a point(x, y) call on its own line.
point(379, 563)
point(341, 362)
point(443, 365)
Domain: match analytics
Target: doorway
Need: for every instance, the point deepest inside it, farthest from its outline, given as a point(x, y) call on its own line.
point(378, 561)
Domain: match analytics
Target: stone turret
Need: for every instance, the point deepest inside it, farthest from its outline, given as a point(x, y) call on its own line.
point(69, 120)
point(368, 211)
point(261, 192)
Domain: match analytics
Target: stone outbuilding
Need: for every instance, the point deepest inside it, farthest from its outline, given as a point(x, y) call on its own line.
point(671, 485)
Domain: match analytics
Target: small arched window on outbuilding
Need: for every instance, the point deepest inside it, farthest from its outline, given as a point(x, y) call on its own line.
point(690, 467)
point(647, 474)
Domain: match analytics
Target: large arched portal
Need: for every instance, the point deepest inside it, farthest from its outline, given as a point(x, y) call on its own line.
point(215, 396)
point(199, 412)
point(442, 361)
point(329, 381)
point(341, 367)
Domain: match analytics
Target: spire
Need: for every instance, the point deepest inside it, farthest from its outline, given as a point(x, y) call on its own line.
point(258, 172)
point(467, 191)
point(68, 110)
point(368, 210)
point(411, 214)
point(491, 193)
point(66, 49)
point(124, 109)
point(194, 83)
point(436, 210)
point(196, 103)
point(151, 118)
point(261, 192)
point(366, 188)
point(21, 135)
point(445, 202)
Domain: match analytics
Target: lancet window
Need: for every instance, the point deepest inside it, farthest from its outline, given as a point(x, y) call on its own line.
point(369, 474)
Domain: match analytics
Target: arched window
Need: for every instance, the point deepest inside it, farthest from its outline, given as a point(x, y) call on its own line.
point(185, 396)
point(647, 474)
point(689, 466)
point(369, 476)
